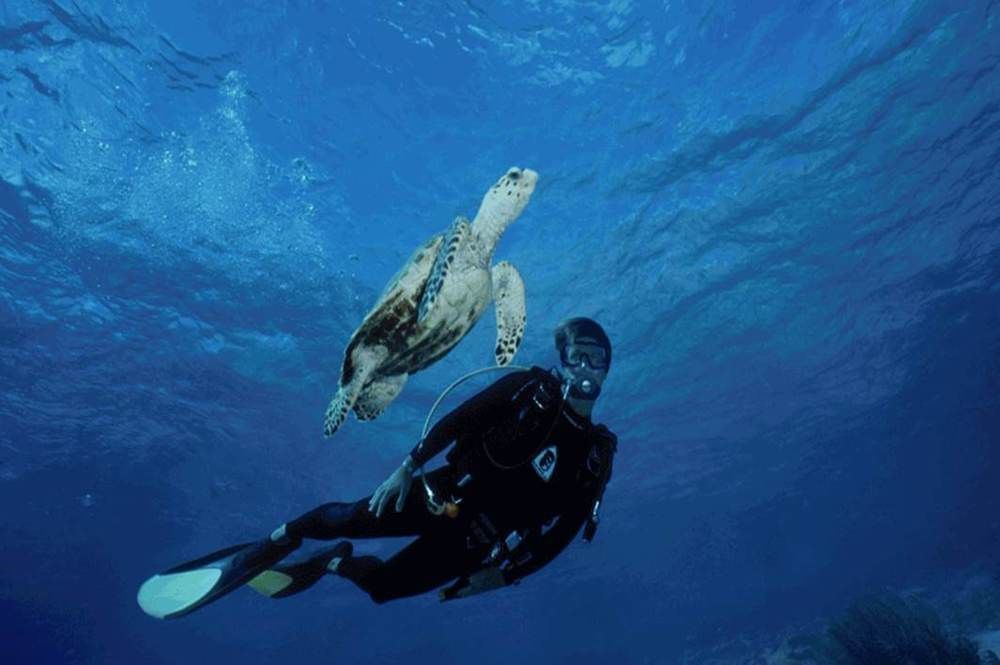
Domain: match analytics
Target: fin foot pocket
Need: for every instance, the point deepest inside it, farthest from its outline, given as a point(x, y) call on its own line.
point(289, 579)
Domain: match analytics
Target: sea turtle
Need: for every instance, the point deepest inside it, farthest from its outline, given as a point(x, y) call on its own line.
point(433, 302)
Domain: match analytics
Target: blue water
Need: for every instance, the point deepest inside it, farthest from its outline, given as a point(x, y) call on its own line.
point(786, 214)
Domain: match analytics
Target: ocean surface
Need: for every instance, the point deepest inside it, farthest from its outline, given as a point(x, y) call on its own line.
point(786, 215)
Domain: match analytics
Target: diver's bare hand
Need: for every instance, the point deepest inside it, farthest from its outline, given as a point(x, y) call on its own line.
point(397, 485)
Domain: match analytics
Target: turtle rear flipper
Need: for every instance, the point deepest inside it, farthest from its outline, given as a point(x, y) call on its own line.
point(455, 238)
point(377, 395)
point(364, 362)
point(336, 412)
point(508, 294)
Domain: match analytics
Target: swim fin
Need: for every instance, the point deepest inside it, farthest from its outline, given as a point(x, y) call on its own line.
point(288, 579)
point(185, 588)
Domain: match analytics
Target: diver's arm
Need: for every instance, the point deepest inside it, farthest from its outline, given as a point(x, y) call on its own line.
point(396, 485)
point(533, 553)
point(544, 548)
point(475, 413)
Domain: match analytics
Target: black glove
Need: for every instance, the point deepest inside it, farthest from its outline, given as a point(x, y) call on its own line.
point(485, 579)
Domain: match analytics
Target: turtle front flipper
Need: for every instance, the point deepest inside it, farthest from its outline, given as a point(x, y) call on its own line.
point(377, 395)
point(455, 238)
point(508, 294)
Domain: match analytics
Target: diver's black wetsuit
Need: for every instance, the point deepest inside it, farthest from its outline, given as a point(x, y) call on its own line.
point(523, 462)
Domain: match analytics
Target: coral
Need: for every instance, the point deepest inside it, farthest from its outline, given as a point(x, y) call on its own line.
point(893, 629)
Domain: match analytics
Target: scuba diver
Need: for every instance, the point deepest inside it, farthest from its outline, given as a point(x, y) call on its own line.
point(527, 470)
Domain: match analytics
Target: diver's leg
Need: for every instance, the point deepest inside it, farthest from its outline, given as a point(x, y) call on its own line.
point(341, 520)
point(423, 565)
point(354, 520)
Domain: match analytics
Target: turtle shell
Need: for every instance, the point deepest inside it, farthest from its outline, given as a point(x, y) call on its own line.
point(393, 320)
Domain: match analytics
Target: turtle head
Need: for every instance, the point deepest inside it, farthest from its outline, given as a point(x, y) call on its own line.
point(504, 202)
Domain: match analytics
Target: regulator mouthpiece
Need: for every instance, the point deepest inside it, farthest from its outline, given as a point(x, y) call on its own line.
point(581, 388)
